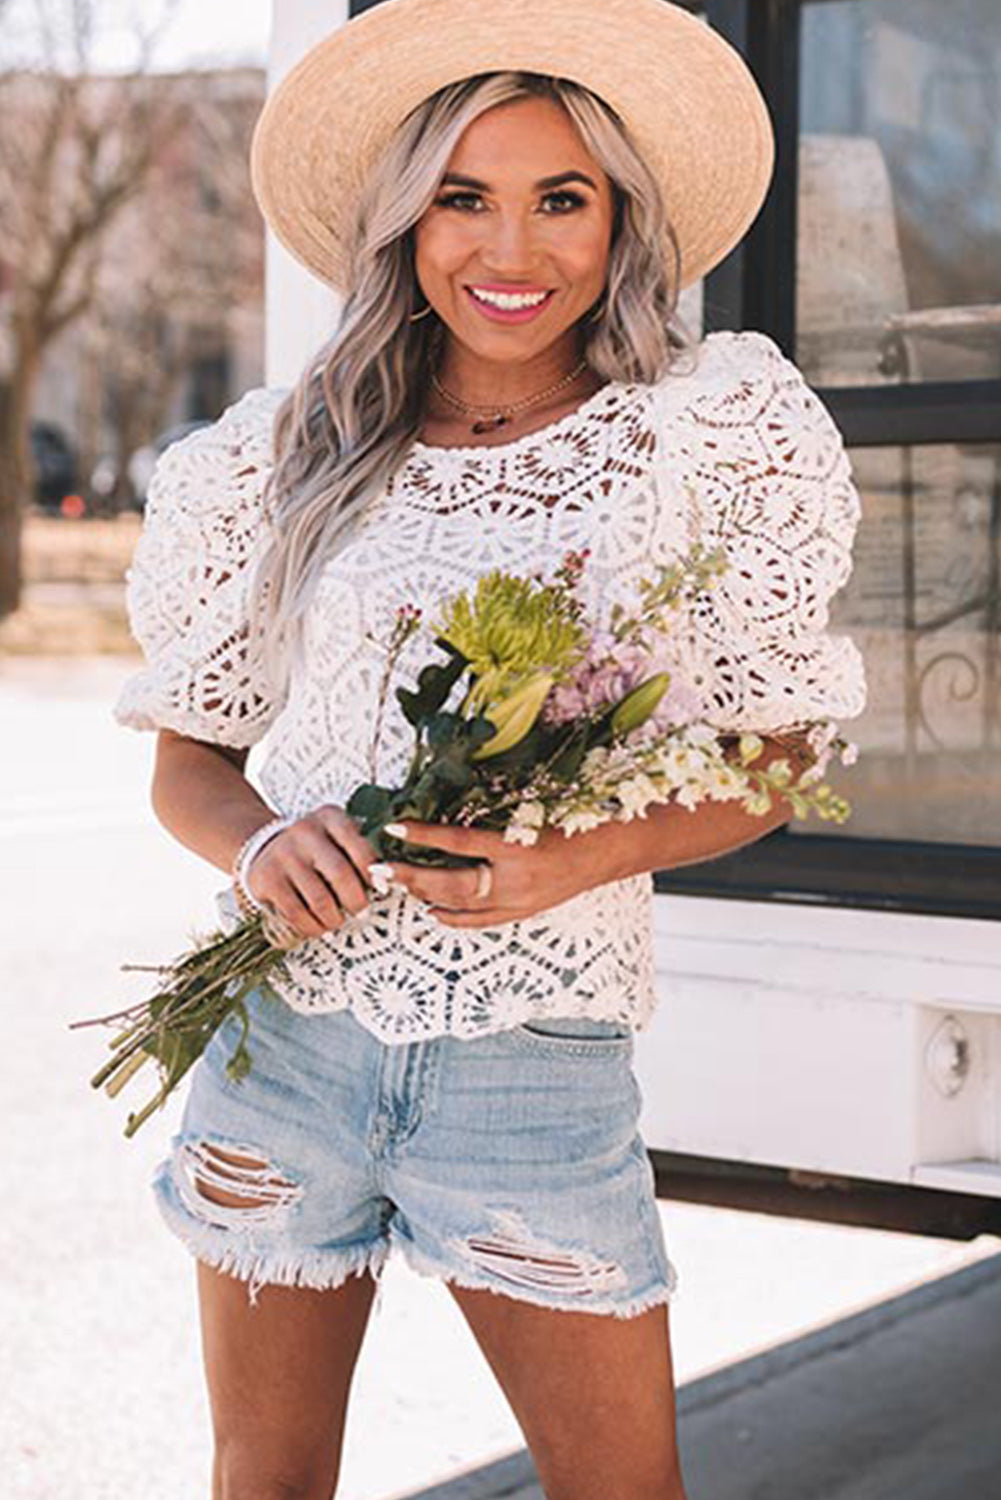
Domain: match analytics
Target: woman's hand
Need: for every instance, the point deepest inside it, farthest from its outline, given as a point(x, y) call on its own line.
point(314, 873)
point(525, 878)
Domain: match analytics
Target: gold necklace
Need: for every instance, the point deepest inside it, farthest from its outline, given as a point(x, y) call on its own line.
point(501, 415)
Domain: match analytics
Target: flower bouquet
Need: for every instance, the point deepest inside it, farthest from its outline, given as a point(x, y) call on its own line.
point(534, 719)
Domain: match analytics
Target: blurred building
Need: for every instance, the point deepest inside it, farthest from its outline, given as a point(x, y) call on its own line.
point(175, 328)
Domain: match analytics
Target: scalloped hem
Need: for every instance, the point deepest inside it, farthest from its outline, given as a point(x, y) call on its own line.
point(426, 1265)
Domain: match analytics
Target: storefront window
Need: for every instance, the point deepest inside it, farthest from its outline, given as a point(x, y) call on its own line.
point(924, 606)
point(899, 213)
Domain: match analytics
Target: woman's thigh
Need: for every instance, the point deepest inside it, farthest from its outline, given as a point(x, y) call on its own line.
point(269, 1184)
point(279, 1374)
point(527, 1188)
point(594, 1395)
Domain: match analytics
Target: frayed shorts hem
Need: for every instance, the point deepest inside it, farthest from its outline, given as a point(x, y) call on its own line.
point(321, 1270)
point(427, 1266)
point(324, 1270)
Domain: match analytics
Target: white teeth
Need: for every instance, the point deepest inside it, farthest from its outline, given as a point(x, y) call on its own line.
point(509, 300)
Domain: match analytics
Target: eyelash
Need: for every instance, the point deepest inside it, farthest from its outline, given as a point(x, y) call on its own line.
point(452, 200)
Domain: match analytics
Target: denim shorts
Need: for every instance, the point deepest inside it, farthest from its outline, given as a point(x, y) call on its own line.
point(510, 1161)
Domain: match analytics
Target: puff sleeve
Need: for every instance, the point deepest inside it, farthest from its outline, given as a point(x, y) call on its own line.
point(766, 477)
point(187, 586)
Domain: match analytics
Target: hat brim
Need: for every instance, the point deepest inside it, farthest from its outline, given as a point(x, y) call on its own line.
point(688, 98)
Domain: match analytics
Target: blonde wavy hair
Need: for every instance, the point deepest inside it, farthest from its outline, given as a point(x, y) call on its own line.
point(351, 417)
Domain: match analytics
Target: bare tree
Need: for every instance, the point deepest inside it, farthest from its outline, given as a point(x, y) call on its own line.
point(186, 258)
point(75, 150)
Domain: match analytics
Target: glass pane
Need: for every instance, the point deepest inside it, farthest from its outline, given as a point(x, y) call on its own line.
point(923, 605)
point(899, 252)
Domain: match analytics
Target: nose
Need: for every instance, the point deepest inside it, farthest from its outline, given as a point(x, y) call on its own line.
point(508, 248)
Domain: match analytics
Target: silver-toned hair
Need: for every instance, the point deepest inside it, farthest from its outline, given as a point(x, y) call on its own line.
point(349, 421)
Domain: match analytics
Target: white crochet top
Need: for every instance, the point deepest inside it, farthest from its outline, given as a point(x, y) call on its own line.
point(770, 480)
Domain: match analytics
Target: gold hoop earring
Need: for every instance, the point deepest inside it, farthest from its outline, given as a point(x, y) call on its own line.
point(416, 317)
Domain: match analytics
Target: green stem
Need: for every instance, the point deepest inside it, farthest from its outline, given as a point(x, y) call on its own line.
point(125, 1072)
point(134, 1121)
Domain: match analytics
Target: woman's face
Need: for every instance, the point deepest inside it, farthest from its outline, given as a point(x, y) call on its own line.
point(522, 212)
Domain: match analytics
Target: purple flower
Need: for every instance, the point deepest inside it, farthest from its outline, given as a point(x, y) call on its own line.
point(609, 670)
point(679, 705)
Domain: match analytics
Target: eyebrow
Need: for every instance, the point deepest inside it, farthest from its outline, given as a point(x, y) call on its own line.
point(459, 180)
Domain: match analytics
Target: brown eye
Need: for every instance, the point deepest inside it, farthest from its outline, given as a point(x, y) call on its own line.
point(570, 199)
point(456, 200)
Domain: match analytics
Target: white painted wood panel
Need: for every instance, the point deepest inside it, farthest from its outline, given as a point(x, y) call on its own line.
point(857, 1043)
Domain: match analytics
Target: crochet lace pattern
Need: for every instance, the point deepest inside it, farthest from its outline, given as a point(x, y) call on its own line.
point(731, 447)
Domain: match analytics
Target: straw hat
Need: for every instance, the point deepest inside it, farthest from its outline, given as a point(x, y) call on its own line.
point(688, 98)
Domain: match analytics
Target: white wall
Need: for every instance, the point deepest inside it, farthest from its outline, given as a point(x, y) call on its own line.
point(300, 309)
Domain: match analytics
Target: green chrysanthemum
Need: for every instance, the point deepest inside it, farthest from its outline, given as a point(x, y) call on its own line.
point(511, 628)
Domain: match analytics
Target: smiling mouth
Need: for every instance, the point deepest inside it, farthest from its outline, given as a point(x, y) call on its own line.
point(510, 301)
point(509, 305)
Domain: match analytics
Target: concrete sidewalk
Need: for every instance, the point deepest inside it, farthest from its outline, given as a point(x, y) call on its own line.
point(899, 1400)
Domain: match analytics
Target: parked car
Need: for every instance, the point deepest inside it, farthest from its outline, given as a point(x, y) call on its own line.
point(143, 461)
point(55, 465)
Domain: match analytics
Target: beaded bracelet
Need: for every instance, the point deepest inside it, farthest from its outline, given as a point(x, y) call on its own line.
point(248, 849)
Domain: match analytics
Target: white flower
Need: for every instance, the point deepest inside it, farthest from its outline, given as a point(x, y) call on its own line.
point(516, 834)
point(724, 782)
point(581, 820)
point(636, 793)
point(593, 763)
point(820, 736)
point(813, 773)
point(780, 771)
point(689, 795)
point(849, 754)
point(529, 814)
point(700, 734)
point(675, 762)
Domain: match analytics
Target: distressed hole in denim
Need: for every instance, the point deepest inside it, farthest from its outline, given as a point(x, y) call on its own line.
point(231, 1187)
point(515, 1255)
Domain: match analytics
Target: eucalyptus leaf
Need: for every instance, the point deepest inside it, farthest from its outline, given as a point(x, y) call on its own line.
point(571, 757)
point(453, 771)
point(370, 804)
point(480, 729)
point(441, 728)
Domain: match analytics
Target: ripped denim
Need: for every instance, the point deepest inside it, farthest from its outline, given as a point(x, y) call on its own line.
point(510, 1162)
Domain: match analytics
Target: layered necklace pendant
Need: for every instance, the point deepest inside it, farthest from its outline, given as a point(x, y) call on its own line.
point(497, 418)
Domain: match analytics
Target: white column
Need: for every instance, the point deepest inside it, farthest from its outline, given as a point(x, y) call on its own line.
point(300, 310)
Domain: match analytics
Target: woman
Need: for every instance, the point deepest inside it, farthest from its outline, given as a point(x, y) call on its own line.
point(509, 380)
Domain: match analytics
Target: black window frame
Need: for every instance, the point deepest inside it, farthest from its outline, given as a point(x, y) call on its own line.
point(755, 287)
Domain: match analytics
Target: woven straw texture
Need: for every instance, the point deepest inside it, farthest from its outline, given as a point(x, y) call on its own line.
point(688, 98)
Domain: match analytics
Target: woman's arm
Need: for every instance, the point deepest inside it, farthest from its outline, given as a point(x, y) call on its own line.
point(202, 797)
point(531, 879)
point(313, 873)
